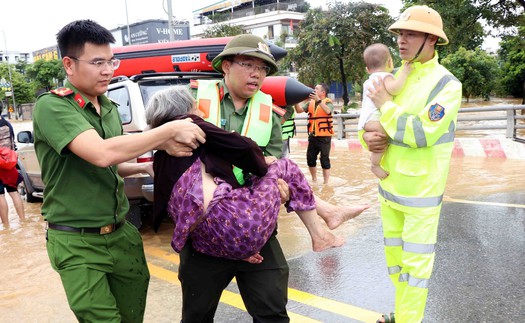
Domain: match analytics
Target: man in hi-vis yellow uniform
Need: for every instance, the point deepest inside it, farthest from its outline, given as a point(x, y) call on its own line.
point(420, 124)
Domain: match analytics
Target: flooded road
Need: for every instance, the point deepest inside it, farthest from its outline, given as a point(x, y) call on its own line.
point(324, 287)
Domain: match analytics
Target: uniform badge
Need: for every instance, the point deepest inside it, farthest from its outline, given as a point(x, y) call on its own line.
point(63, 91)
point(221, 93)
point(80, 100)
point(436, 112)
point(405, 16)
point(264, 47)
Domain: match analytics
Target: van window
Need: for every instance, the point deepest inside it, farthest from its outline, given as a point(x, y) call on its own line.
point(121, 96)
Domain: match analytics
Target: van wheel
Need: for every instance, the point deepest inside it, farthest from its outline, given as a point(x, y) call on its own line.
point(29, 197)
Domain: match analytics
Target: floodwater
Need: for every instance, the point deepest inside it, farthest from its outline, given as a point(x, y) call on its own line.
point(30, 291)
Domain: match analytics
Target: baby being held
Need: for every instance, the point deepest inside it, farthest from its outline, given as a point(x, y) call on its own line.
point(379, 64)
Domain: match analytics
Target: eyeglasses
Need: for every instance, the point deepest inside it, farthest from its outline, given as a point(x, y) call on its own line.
point(249, 67)
point(101, 64)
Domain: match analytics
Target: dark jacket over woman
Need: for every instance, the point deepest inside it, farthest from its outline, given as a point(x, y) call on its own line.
point(221, 150)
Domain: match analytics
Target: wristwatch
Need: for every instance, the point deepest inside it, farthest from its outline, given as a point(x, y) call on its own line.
point(318, 102)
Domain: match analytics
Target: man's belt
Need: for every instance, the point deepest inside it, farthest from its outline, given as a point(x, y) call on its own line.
point(102, 230)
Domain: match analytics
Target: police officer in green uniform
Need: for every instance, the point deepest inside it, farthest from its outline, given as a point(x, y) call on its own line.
point(236, 103)
point(82, 153)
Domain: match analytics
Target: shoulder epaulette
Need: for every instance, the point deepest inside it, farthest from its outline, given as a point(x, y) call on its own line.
point(194, 84)
point(277, 109)
point(63, 91)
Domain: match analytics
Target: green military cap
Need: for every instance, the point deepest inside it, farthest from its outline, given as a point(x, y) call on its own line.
point(247, 45)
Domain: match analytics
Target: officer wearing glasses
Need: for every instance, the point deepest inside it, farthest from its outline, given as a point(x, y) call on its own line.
point(82, 153)
point(236, 103)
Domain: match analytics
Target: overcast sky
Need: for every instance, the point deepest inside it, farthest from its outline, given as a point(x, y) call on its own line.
point(30, 25)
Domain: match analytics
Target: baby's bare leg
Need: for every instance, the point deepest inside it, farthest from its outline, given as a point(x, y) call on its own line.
point(375, 158)
point(334, 215)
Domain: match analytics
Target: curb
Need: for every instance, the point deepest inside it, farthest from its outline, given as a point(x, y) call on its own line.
point(472, 147)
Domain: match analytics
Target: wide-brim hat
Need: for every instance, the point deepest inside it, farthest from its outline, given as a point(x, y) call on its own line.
point(247, 45)
point(423, 19)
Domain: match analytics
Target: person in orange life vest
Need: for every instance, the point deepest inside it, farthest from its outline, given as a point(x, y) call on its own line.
point(320, 130)
point(9, 178)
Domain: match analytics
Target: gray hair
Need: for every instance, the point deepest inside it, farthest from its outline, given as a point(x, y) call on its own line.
point(166, 104)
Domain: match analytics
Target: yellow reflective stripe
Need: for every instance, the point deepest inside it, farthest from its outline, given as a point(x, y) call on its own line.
point(419, 133)
point(413, 281)
point(448, 136)
point(440, 86)
point(412, 201)
point(417, 124)
point(421, 248)
point(393, 242)
point(445, 138)
point(400, 132)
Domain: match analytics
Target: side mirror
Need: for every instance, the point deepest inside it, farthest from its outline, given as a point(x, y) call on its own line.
point(25, 137)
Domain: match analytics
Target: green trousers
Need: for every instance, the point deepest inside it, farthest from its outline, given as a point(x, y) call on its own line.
point(105, 277)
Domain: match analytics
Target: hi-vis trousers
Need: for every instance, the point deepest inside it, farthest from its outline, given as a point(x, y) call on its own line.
point(410, 239)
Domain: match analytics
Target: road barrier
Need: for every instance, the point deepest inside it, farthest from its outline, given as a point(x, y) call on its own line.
point(492, 131)
point(482, 120)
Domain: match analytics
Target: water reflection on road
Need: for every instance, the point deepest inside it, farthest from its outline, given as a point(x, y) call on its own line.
point(31, 291)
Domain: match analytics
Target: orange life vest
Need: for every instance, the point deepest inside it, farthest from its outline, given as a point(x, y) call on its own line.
point(320, 123)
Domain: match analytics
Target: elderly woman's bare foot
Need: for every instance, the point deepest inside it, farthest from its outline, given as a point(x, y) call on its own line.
point(329, 240)
point(337, 215)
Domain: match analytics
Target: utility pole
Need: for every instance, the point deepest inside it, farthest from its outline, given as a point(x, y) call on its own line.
point(10, 80)
point(170, 21)
point(127, 22)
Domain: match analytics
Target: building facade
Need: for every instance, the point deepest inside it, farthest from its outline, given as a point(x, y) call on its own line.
point(272, 20)
point(14, 57)
point(150, 31)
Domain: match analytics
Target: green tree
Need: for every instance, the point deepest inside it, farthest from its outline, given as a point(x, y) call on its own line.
point(512, 55)
point(461, 23)
point(476, 70)
point(331, 42)
point(20, 86)
point(222, 30)
point(502, 14)
point(21, 66)
point(46, 74)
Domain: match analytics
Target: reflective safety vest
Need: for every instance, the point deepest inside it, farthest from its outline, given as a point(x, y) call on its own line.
point(421, 122)
point(320, 123)
point(257, 123)
point(289, 127)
